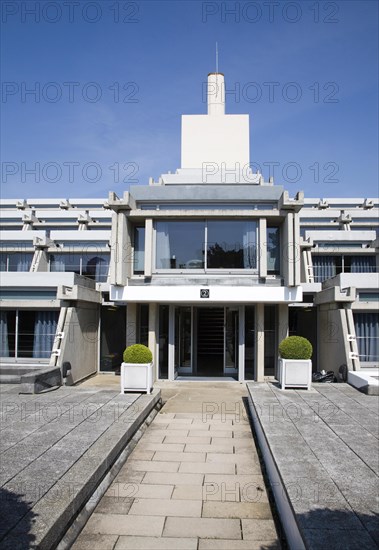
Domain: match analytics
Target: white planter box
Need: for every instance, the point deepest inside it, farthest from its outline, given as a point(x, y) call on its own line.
point(136, 377)
point(295, 373)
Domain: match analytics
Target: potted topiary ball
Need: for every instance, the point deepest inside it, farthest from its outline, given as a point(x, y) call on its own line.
point(137, 369)
point(295, 365)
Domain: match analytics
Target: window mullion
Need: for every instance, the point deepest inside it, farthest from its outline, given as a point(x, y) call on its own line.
point(16, 335)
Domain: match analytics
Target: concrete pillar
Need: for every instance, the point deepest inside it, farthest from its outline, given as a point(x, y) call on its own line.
point(282, 321)
point(262, 247)
point(131, 324)
point(241, 343)
point(260, 342)
point(148, 247)
point(121, 257)
point(153, 323)
point(296, 251)
point(171, 343)
point(282, 327)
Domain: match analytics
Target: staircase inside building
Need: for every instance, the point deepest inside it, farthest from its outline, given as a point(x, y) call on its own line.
point(210, 342)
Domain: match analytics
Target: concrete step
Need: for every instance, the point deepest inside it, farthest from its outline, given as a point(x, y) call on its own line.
point(10, 378)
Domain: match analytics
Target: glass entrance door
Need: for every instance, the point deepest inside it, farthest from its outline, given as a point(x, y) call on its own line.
point(210, 341)
point(205, 341)
point(231, 340)
point(183, 340)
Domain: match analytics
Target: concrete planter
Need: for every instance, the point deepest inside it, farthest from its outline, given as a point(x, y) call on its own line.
point(136, 377)
point(295, 373)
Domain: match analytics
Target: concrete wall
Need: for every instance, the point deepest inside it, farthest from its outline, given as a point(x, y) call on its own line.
point(333, 346)
point(80, 342)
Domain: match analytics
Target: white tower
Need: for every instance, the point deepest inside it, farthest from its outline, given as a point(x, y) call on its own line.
point(216, 94)
point(215, 139)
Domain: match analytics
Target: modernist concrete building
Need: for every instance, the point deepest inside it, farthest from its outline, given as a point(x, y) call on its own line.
point(210, 266)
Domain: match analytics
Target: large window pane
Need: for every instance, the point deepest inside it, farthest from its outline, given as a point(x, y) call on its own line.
point(180, 245)
point(367, 333)
point(95, 266)
point(231, 245)
point(15, 261)
point(65, 262)
point(139, 250)
point(7, 333)
point(90, 264)
point(273, 250)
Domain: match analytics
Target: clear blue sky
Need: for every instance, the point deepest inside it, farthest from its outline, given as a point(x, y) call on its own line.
point(306, 72)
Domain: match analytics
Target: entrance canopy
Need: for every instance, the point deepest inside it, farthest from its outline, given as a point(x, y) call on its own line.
point(196, 294)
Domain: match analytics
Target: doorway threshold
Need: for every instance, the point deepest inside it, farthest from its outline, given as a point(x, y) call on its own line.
point(205, 379)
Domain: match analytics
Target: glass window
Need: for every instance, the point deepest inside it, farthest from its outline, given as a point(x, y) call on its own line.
point(65, 262)
point(139, 250)
point(95, 266)
point(163, 341)
point(231, 245)
point(90, 264)
point(324, 267)
point(249, 342)
point(228, 245)
point(362, 264)
point(180, 245)
point(273, 250)
point(367, 334)
point(27, 333)
point(15, 261)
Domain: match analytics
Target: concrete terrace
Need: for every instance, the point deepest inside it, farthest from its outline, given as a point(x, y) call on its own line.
point(56, 448)
point(321, 452)
point(194, 479)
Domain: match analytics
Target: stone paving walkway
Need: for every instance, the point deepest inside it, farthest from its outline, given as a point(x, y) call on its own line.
point(193, 481)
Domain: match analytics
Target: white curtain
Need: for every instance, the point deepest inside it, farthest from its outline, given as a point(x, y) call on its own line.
point(4, 346)
point(324, 267)
point(367, 333)
point(363, 264)
point(45, 327)
point(23, 261)
point(163, 246)
point(57, 262)
point(249, 245)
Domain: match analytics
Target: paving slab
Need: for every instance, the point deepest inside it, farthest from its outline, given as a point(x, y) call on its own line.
point(203, 528)
point(209, 544)
point(172, 508)
point(155, 543)
point(321, 451)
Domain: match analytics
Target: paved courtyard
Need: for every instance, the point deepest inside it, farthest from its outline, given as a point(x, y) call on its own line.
point(193, 481)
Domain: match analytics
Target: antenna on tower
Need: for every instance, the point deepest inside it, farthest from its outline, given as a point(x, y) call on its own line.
point(216, 58)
